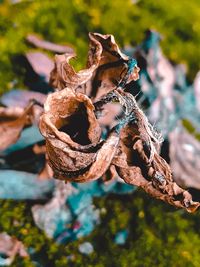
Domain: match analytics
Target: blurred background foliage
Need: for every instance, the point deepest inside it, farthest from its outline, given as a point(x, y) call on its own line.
point(70, 21)
point(158, 235)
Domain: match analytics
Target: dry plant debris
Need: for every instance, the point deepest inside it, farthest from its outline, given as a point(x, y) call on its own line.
point(82, 144)
point(70, 124)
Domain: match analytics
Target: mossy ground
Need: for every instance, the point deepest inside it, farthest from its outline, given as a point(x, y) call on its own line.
point(70, 21)
point(159, 235)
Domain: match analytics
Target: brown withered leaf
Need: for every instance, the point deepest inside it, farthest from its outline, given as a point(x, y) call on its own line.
point(64, 75)
point(112, 66)
point(155, 178)
point(72, 131)
point(76, 154)
point(137, 165)
point(10, 130)
point(13, 120)
point(72, 134)
point(10, 113)
point(106, 65)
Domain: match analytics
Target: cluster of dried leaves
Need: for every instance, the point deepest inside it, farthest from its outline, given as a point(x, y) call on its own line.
point(82, 142)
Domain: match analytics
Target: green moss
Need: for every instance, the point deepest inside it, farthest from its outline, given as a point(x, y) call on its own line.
point(191, 129)
point(159, 235)
point(70, 21)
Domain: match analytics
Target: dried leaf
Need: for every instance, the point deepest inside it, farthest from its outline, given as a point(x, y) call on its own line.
point(185, 158)
point(133, 164)
point(41, 64)
point(69, 124)
point(10, 113)
point(105, 67)
point(38, 42)
point(21, 98)
point(113, 66)
point(13, 120)
point(10, 130)
point(72, 132)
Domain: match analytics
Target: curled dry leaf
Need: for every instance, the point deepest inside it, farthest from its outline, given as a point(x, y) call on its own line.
point(74, 146)
point(106, 65)
point(138, 163)
point(155, 177)
point(64, 75)
point(72, 135)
